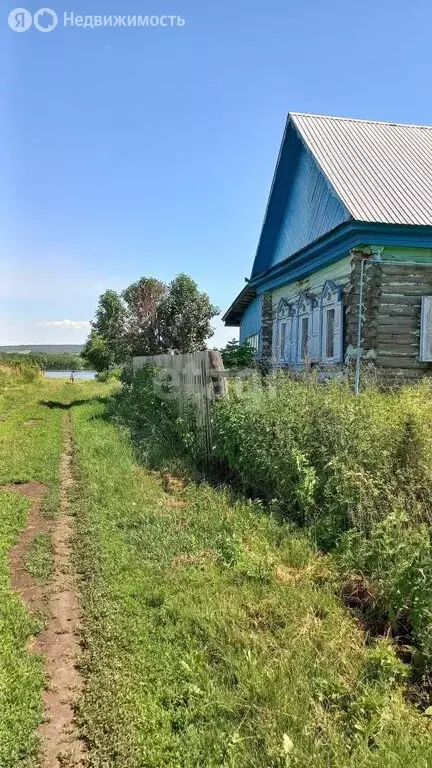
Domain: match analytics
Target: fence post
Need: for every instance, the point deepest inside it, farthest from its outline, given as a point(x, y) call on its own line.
point(216, 365)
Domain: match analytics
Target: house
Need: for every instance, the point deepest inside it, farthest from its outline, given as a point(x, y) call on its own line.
point(343, 268)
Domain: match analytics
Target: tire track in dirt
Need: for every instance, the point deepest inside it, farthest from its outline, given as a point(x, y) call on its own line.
point(22, 582)
point(61, 746)
point(60, 741)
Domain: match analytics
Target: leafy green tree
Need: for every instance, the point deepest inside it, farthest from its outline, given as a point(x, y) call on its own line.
point(236, 355)
point(144, 331)
point(110, 325)
point(97, 353)
point(186, 313)
point(149, 318)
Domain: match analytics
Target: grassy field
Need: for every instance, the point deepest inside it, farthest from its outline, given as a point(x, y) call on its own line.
point(212, 632)
point(30, 445)
point(213, 636)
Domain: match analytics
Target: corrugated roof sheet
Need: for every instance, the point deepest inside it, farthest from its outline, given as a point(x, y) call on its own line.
point(382, 172)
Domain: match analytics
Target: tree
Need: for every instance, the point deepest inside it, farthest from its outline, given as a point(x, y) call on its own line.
point(236, 355)
point(143, 316)
point(110, 325)
point(149, 318)
point(186, 313)
point(97, 353)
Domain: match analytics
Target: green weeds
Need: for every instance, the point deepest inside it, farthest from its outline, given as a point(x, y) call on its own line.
point(30, 447)
point(40, 557)
point(213, 634)
point(213, 631)
point(21, 674)
point(355, 472)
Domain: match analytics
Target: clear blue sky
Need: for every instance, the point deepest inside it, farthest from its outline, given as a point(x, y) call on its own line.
point(129, 152)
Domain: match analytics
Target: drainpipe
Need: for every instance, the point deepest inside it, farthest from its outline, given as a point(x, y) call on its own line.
point(359, 330)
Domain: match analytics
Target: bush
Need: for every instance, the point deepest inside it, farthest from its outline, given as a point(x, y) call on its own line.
point(330, 459)
point(11, 373)
point(163, 429)
point(236, 355)
point(396, 563)
point(112, 374)
point(326, 458)
point(356, 471)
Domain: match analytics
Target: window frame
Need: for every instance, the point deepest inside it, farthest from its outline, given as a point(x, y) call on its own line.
point(282, 332)
point(331, 300)
point(304, 312)
point(426, 330)
point(288, 328)
point(255, 346)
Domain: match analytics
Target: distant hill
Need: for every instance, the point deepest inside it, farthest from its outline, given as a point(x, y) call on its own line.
point(26, 349)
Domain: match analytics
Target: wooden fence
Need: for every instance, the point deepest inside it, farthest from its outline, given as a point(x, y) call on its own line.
point(194, 380)
point(191, 382)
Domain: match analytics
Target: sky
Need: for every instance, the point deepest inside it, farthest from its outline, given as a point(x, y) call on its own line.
point(150, 151)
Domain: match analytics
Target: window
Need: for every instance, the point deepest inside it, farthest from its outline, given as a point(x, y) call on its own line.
point(282, 333)
point(331, 331)
point(426, 330)
point(310, 328)
point(304, 338)
point(253, 342)
point(304, 312)
point(329, 335)
point(282, 341)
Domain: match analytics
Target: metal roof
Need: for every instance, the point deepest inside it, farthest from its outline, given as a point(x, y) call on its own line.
point(382, 172)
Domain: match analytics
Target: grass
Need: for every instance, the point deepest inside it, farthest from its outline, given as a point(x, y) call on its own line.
point(213, 636)
point(354, 472)
point(40, 558)
point(21, 674)
point(30, 447)
point(26, 453)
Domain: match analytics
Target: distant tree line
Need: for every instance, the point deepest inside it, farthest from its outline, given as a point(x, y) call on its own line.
point(47, 361)
point(148, 318)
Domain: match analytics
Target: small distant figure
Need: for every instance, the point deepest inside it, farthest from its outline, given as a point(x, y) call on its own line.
point(72, 376)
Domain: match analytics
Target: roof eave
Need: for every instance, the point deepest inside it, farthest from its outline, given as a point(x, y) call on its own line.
point(233, 315)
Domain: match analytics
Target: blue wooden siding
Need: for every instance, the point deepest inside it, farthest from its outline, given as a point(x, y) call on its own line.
point(302, 205)
point(311, 209)
point(251, 320)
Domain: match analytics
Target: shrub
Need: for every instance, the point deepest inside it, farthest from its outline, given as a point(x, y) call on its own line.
point(356, 471)
point(24, 372)
point(396, 562)
point(162, 428)
point(331, 459)
point(236, 355)
point(110, 375)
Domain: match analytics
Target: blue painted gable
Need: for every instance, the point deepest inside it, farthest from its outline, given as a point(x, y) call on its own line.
point(251, 320)
point(302, 207)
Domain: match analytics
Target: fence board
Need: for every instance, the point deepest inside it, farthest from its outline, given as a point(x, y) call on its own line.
point(190, 383)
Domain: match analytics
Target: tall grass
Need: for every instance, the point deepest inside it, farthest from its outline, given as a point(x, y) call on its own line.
point(212, 635)
point(356, 472)
point(329, 458)
point(17, 372)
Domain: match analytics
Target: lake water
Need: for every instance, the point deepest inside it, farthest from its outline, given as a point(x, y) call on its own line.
point(79, 375)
